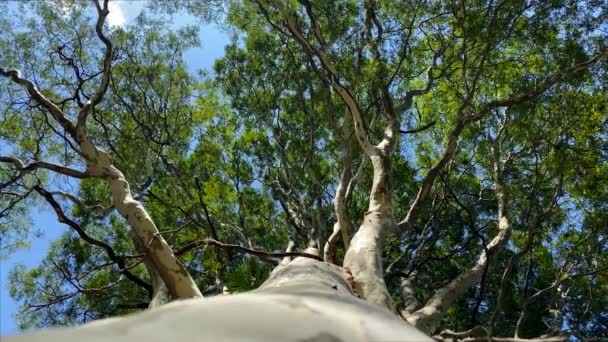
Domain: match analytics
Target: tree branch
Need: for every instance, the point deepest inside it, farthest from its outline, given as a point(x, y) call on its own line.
point(44, 165)
point(428, 318)
point(463, 120)
point(119, 260)
point(332, 77)
point(107, 64)
point(539, 89)
point(15, 76)
point(243, 249)
point(418, 129)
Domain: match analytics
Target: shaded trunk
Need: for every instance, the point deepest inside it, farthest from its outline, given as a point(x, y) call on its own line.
point(364, 257)
point(408, 295)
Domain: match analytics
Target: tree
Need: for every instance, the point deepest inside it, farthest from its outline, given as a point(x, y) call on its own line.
point(433, 164)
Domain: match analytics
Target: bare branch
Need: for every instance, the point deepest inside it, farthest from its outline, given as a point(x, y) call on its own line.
point(538, 90)
point(107, 64)
point(418, 129)
point(44, 165)
point(119, 260)
point(243, 249)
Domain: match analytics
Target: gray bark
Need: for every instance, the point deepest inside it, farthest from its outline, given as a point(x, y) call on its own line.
point(408, 296)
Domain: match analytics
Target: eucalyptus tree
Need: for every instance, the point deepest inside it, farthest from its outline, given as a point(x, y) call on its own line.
point(432, 164)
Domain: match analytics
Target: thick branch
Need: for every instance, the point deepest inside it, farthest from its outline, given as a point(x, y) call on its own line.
point(342, 226)
point(173, 273)
point(408, 295)
point(35, 93)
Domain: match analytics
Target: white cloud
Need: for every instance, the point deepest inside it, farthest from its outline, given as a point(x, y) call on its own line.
point(116, 16)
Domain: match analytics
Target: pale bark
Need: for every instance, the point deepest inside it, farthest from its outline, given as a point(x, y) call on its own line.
point(99, 165)
point(364, 257)
point(290, 247)
point(429, 316)
point(173, 273)
point(342, 227)
point(178, 281)
point(307, 300)
point(160, 292)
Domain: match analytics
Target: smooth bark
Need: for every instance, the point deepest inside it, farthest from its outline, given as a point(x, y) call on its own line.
point(364, 257)
point(307, 300)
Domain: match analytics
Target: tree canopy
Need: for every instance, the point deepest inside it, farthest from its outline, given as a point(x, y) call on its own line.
point(452, 156)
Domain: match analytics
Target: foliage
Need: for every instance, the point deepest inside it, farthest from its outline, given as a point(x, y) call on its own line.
point(252, 155)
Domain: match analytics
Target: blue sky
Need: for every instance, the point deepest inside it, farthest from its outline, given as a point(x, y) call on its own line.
point(213, 40)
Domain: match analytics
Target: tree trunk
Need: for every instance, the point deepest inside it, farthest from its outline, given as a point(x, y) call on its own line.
point(159, 254)
point(364, 257)
point(306, 300)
